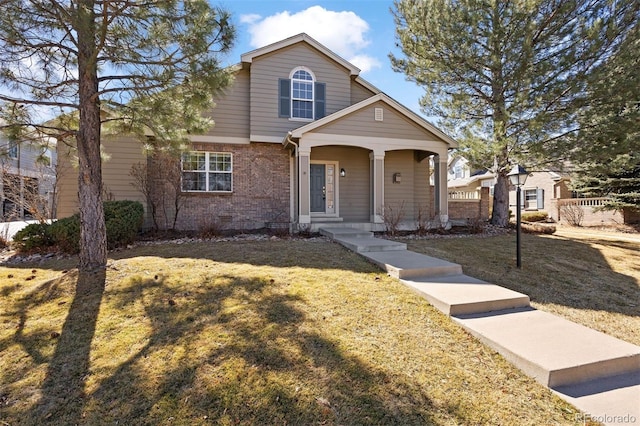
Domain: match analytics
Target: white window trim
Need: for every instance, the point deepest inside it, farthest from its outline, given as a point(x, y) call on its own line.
point(13, 148)
point(525, 201)
point(206, 172)
point(313, 94)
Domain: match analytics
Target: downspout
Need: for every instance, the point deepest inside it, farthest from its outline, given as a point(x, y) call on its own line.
point(296, 196)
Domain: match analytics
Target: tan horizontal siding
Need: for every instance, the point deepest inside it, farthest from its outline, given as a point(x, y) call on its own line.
point(67, 182)
point(231, 113)
point(403, 195)
point(422, 208)
point(362, 123)
point(122, 153)
point(359, 93)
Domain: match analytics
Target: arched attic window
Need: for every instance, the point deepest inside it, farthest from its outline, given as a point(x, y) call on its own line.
point(301, 96)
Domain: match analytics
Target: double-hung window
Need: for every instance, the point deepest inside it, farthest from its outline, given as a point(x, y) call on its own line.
point(533, 199)
point(302, 95)
point(13, 150)
point(207, 171)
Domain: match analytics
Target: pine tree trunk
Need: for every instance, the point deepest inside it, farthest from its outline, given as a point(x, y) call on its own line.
point(500, 212)
point(93, 239)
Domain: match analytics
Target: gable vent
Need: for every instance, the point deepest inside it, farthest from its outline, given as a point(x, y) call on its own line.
point(379, 114)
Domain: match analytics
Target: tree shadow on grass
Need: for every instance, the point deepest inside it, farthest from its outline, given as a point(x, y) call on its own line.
point(585, 278)
point(62, 392)
point(282, 254)
point(555, 270)
point(238, 352)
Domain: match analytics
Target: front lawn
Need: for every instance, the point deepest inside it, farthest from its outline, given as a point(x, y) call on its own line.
point(245, 333)
point(591, 280)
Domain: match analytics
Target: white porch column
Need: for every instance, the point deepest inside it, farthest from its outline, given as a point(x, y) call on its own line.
point(441, 190)
point(377, 186)
point(304, 187)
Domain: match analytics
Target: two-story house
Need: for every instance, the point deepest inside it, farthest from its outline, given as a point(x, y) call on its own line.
point(461, 178)
point(27, 184)
point(299, 137)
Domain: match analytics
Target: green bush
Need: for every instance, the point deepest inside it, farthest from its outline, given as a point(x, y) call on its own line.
point(66, 233)
point(535, 216)
point(123, 220)
point(34, 236)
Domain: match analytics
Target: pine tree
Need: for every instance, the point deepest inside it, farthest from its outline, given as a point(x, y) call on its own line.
point(115, 64)
point(606, 150)
point(503, 77)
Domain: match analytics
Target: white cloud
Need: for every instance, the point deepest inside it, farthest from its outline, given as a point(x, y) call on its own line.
point(365, 62)
point(249, 18)
point(342, 32)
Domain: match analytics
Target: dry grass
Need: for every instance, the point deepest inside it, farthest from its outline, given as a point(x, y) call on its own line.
point(286, 332)
point(590, 278)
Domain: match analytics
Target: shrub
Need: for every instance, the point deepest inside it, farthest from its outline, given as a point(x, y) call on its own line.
point(535, 216)
point(65, 233)
point(34, 236)
point(573, 214)
point(475, 225)
point(392, 218)
point(538, 228)
point(123, 220)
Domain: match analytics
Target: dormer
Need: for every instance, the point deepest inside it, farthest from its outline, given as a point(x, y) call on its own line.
point(296, 81)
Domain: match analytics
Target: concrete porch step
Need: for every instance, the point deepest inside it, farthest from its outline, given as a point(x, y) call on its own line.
point(369, 244)
point(464, 295)
point(405, 264)
point(338, 232)
point(554, 351)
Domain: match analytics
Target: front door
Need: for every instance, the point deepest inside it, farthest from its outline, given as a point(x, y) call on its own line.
point(318, 188)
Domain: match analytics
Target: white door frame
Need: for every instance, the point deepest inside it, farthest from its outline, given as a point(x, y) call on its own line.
point(331, 207)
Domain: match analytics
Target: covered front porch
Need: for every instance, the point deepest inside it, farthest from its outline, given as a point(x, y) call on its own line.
point(367, 164)
point(364, 188)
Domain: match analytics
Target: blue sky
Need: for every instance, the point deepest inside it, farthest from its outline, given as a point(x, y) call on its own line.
point(361, 31)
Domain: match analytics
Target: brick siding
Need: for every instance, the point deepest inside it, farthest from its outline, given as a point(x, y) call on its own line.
point(260, 193)
point(470, 209)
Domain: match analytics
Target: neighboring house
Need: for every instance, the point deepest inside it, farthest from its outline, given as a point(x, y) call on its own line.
point(541, 191)
point(463, 180)
point(299, 138)
point(27, 187)
point(550, 191)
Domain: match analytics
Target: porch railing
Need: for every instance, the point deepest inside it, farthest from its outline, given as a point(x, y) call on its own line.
point(583, 202)
point(464, 195)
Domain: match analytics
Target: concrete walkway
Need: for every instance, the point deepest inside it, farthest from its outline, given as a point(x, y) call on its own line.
point(597, 373)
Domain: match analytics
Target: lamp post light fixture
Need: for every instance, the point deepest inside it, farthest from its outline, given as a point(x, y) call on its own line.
point(518, 176)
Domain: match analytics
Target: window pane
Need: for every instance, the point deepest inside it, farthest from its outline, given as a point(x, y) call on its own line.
point(302, 75)
point(219, 181)
point(193, 181)
point(302, 109)
point(302, 90)
point(193, 161)
point(219, 162)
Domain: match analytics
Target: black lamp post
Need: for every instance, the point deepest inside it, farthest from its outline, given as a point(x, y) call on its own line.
point(518, 176)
